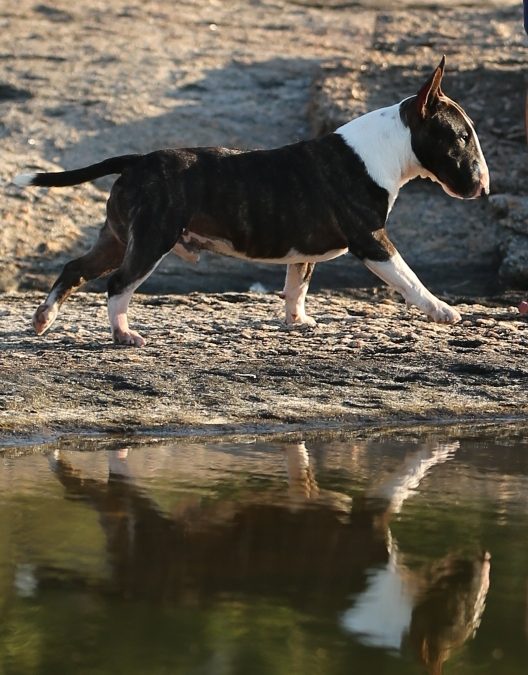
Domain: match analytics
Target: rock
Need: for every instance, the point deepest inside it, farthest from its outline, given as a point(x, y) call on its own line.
point(512, 212)
point(53, 14)
point(8, 92)
point(500, 203)
point(514, 267)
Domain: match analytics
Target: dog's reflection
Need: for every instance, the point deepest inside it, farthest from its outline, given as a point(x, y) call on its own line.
point(320, 550)
point(432, 610)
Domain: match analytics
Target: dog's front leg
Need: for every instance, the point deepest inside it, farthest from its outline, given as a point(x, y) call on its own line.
point(398, 275)
point(295, 288)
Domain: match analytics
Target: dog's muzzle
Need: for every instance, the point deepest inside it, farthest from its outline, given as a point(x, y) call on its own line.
point(484, 184)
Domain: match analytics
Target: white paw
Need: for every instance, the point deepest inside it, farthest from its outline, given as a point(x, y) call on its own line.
point(128, 337)
point(300, 319)
point(44, 316)
point(441, 312)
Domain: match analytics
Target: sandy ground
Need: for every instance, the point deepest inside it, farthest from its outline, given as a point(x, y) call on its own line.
point(80, 82)
point(226, 363)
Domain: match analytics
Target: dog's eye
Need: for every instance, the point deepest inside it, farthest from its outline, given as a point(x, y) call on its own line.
point(463, 137)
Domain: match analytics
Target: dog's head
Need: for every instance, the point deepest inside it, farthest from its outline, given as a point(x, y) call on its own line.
point(444, 140)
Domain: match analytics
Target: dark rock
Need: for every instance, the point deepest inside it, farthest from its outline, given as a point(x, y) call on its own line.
point(9, 92)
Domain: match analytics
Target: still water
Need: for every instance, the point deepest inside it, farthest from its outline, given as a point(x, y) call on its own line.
point(395, 554)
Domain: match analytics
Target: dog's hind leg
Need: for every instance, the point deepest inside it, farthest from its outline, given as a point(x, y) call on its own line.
point(298, 277)
point(104, 257)
point(147, 246)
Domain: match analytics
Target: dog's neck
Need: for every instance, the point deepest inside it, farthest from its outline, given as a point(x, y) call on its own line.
point(383, 142)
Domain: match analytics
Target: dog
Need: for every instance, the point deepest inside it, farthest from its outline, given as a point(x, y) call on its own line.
point(295, 205)
point(327, 553)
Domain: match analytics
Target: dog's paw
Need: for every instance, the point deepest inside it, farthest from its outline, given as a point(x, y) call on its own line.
point(300, 320)
point(128, 337)
point(44, 316)
point(441, 312)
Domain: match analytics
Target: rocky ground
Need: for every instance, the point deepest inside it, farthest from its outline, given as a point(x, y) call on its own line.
point(226, 363)
point(80, 82)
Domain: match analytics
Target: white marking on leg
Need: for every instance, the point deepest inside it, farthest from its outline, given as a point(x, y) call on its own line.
point(117, 313)
point(301, 482)
point(117, 309)
point(46, 313)
point(398, 275)
point(295, 289)
point(117, 464)
point(397, 487)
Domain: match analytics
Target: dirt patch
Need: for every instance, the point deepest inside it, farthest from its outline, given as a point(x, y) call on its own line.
point(228, 362)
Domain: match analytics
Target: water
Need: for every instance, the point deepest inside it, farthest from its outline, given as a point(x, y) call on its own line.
point(397, 554)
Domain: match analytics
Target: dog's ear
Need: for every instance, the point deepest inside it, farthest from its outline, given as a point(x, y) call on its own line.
point(431, 90)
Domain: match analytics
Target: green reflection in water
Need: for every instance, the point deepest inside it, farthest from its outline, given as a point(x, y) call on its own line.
point(395, 555)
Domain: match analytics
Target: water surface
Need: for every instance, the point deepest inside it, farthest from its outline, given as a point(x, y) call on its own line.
point(399, 554)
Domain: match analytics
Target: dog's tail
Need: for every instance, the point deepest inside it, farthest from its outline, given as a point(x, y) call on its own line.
point(88, 173)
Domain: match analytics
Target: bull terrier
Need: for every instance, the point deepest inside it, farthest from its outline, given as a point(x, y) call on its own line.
point(295, 205)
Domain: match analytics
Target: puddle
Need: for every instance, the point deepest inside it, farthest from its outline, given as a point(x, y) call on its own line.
point(394, 555)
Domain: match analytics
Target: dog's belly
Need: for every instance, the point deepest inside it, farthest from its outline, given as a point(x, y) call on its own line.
point(191, 244)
